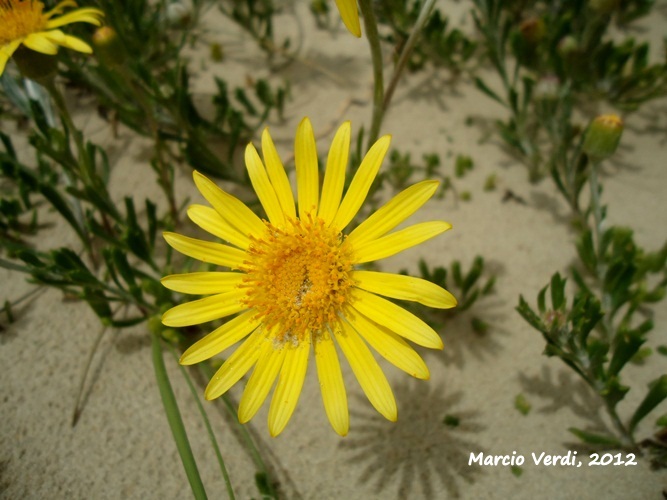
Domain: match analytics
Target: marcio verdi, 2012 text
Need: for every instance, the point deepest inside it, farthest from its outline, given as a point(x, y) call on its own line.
point(570, 459)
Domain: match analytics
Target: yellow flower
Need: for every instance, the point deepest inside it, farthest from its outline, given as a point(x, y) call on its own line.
point(298, 285)
point(22, 22)
point(350, 15)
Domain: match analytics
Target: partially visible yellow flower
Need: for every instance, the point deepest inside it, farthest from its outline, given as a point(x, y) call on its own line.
point(350, 15)
point(23, 22)
point(299, 287)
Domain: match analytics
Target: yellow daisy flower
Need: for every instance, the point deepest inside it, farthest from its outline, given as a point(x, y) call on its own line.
point(296, 284)
point(23, 22)
point(350, 15)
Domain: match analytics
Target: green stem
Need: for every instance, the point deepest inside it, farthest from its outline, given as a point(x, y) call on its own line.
point(370, 25)
point(207, 424)
point(83, 159)
point(626, 436)
point(175, 420)
point(165, 173)
point(601, 267)
point(247, 438)
point(407, 51)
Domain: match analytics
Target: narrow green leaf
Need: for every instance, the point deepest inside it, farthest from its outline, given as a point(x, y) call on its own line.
point(63, 208)
point(557, 292)
point(626, 345)
point(593, 438)
point(207, 424)
point(541, 303)
point(479, 83)
point(175, 421)
point(529, 315)
point(656, 395)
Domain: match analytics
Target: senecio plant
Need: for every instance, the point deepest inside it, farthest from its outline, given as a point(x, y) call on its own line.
point(609, 318)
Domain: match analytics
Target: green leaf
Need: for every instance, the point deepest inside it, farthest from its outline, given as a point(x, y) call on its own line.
point(529, 315)
point(263, 485)
point(98, 303)
point(656, 395)
point(175, 421)
point(522, 404)
point(541, 303)
point(626, 345)
point(63, 208)
point(662, 421)
point(451, 421)
point(479, 83)
point(593, 438)
point(557, 292)
point(473, 274)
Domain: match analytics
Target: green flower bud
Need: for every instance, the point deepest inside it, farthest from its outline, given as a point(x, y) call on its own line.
point(533, 29)
point(170, 336)
point(155, 324)
point(108, 46)
point(603, 6)
point(567, 46)
point(602, 136)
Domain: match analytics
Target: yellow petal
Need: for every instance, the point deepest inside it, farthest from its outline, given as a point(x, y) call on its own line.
point(361, 183)
point(277, 174)
point(236, 366)
point(72, 42)
point(229, 207)
point(368, 372)
point(402, 287)
point(202, 283)
point(221, 338)
point(350, 15)
point(206, 251)
point(6, 51)
point(212, 222)
point(394, 317)
point(395, 211)
point(307, 175)
point(207, 309)
point(87, 15)
point(59, 8)
point(262, 379)
point(394, 243)
point(289, 385)
point(390, 346)
point(39, 43)
point(334, 176)
point(331, 384)
point(262, 186)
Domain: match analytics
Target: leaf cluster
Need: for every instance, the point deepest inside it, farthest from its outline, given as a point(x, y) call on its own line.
point(439, 44)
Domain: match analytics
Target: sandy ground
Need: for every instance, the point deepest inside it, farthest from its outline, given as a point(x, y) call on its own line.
point(122, 446)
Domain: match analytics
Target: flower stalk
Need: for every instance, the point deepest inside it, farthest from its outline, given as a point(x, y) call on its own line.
point(370, 25)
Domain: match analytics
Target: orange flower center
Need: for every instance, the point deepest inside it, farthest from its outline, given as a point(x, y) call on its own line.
point(20, 18)
point(298, 278)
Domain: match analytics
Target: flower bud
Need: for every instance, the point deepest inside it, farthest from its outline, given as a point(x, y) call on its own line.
point(567, 46)
point(602, 136)
point(533, 29)
point(108, 46)
point(603, 6)
point(178, 15)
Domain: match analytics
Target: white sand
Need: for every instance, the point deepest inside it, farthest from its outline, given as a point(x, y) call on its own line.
point(122, 446)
